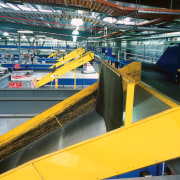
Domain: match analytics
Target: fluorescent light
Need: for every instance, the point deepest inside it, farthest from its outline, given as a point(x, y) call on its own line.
point(5, 34)
point(40, 36)
point(23, 36)
point(24, 8)
point(80, 12)
point(75, 32)
point(74, 38)
point(77, 22)
point(32, 8)
point(59, 11)
point(3, 5)
point(25, 32)
point(45, 10)
point(12, 6)
point(109, 19)
point(125, 22)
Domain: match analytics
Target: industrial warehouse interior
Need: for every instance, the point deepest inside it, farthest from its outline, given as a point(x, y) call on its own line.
point(89, 89)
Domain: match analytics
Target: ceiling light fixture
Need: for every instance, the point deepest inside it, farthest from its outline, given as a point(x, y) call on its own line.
point(5, 34)
point(23, 36)
point(80, 12)
point(25, 32)
point(75, 32)
point(77, 22)
point(74, 38)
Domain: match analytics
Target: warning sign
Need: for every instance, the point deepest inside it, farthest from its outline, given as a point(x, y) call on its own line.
point(15, 84)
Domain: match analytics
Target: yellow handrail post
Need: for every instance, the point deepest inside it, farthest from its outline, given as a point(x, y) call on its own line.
point(129, 104)
point(56, 81)
point(75, 78)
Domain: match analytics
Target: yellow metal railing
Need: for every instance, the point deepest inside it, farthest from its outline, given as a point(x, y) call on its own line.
point(66, 68)
point(130, 83)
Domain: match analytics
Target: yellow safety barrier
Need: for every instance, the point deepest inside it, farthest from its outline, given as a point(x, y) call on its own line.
point(66, 68)
point(144, 143)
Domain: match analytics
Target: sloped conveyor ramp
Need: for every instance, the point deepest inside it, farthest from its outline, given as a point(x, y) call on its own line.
point(128, 148)
point(66, 68)
point(74, 54)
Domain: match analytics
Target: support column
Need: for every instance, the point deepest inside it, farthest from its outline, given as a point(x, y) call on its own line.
point(19, 45)
point(75, 78)
point(129, 104)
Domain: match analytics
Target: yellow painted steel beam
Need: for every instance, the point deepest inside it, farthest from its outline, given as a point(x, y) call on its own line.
point(66, 68)
point(75, 78)
point(129, 104)
point(146, 142)
point(166, 100)
point(64, 60)
point(51, 119)
point(53, 54)
point(56, 83)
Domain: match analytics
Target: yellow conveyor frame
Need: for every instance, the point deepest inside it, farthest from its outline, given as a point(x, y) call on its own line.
point(64, 60)
point(135, 145)
point(66, 68)
point(53, 54)
point(147, 142)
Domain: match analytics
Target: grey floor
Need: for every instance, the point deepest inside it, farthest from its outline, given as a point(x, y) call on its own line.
point(7, 124)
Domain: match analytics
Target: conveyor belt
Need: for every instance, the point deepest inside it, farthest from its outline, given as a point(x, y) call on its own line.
point(117, 152)
point(87, 126)
point(113, 153)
